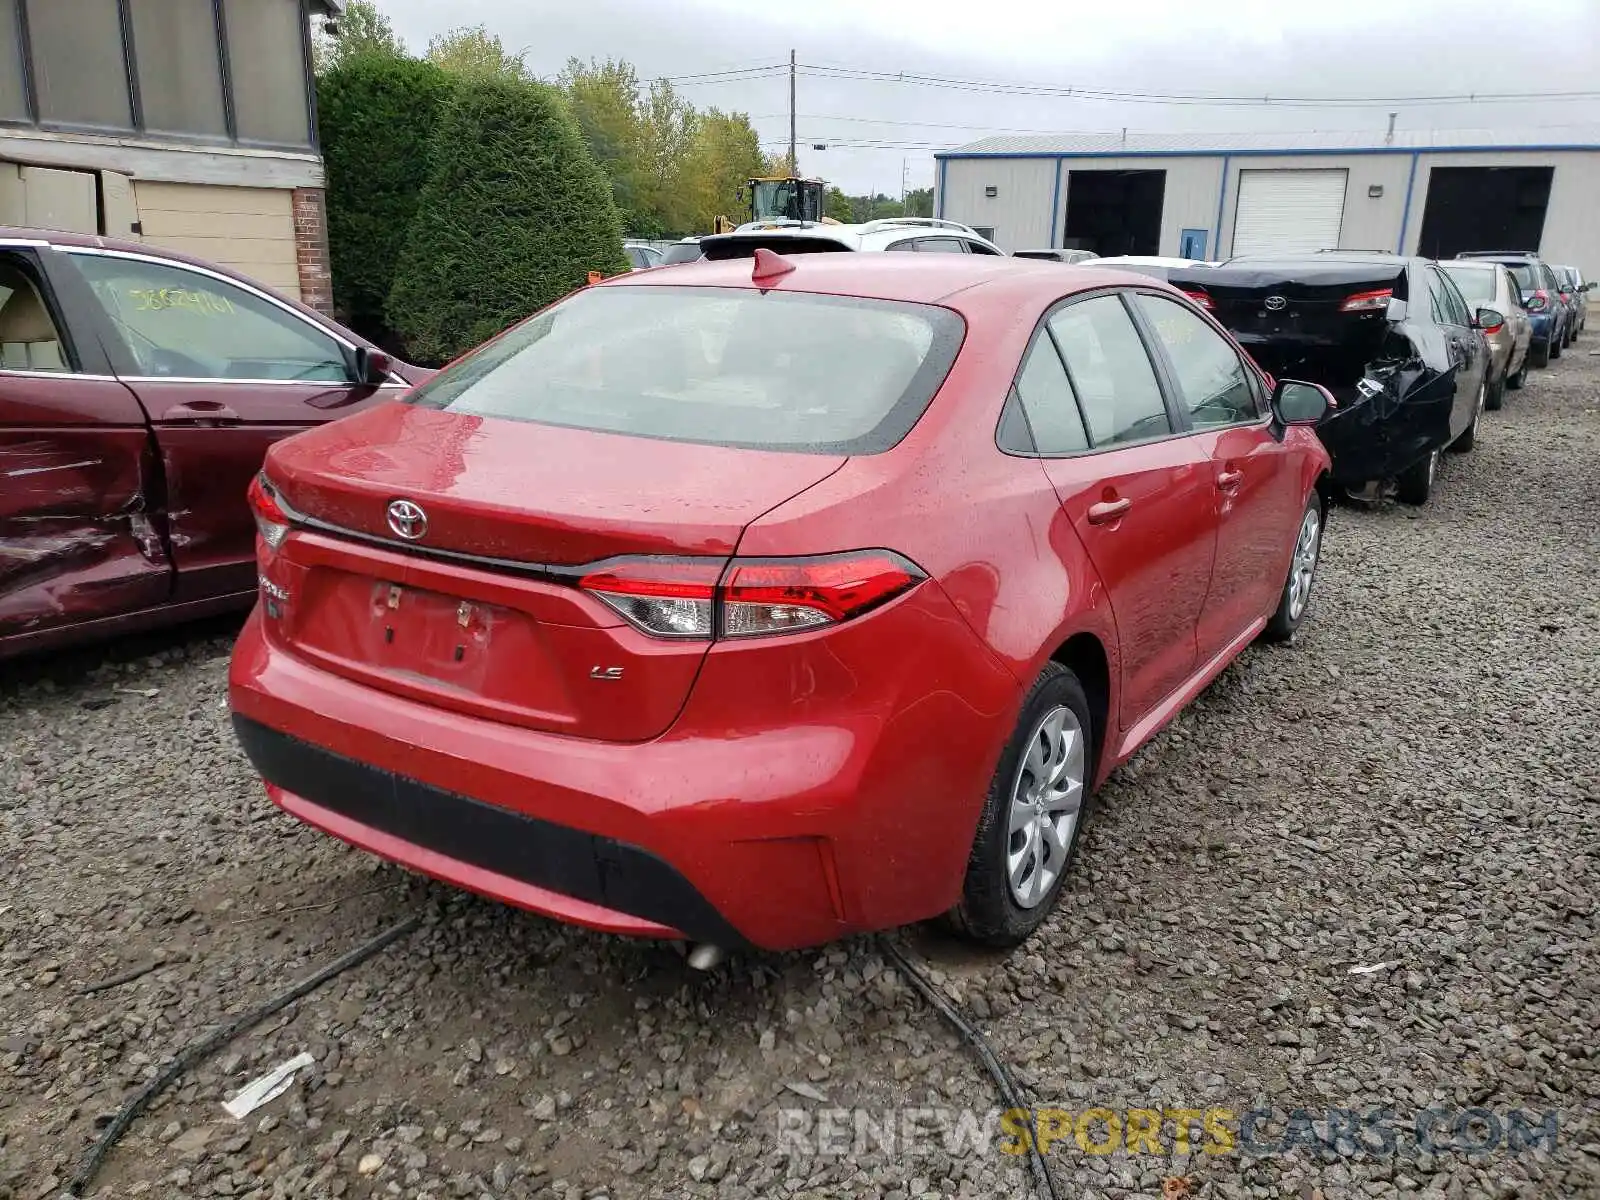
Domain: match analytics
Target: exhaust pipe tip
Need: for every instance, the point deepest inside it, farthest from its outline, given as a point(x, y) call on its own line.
point(706, 957)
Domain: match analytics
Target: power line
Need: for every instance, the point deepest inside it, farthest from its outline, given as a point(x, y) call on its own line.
point(1085, 92)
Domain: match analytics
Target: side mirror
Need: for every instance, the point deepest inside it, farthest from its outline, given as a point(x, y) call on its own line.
point(1297, 403)
point(371, 367)
point(1490, 320)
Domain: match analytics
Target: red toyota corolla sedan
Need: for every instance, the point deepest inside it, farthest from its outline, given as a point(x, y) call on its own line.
point(765, 601)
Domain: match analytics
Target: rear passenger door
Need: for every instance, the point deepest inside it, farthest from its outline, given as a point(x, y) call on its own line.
point(1258, 489)
point(224, 371)
point(1139, 498)
point(80, 493)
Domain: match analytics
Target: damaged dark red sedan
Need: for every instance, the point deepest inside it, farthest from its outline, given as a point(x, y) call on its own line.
point(762, 602)
point(139, 390)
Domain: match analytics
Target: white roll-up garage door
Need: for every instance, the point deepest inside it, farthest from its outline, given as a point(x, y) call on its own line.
point(1285, 212)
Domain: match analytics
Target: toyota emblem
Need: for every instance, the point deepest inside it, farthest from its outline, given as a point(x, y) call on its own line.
point(407, 519)
point(1275, 303)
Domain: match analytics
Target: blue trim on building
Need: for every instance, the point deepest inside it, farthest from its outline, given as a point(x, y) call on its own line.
point(1405, 216)
point(1222, 202)
point(1055, 205)
point(947, 155)
point(939, 211)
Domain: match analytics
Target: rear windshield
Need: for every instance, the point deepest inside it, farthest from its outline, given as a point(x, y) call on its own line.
point(681, 252)
point(1475, 283)
point(1526, 275)
point(721, 366)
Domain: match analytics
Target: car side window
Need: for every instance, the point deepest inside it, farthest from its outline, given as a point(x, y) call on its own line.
point(1439, 295)
point(941, 245)
point(1110, 371)
point(1509, 289)
point(179, 323)
point(29, 339)
point(1044, 397)
point(976, 248)
point(1455, 302)
point(907, 246)
point(1215, 385)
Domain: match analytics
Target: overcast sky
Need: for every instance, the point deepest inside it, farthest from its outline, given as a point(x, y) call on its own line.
point(1315, 48)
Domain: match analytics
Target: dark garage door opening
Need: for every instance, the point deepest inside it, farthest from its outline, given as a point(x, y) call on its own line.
point(1115, 212)
point(1484, 208)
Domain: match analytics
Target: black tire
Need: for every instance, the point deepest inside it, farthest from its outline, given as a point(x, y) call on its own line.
point(1539, 355)
point(987, 912)
point(1285, 620)
point(1516, 381)
point(1495, 397)
point(1556, 344)
point(1415, 484)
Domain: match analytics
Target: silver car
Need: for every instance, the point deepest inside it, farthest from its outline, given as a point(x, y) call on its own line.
point(1489, 286)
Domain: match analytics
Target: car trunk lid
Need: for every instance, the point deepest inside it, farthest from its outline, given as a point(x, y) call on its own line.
point(479, 609)
point(1320, 323)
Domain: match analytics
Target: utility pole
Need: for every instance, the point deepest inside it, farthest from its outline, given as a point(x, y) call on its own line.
point(794, 161)
point(903, 169)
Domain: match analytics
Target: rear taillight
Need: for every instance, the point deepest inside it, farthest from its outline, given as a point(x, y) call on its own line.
point(1203, 300)
point(272, 523)
point(1375, 301)
point(753, 597)
point(1538, 301)
point(1566, 297)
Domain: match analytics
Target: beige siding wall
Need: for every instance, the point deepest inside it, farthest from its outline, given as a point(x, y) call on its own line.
point(250, 230)
point(1572, 221)
point(1019, 212)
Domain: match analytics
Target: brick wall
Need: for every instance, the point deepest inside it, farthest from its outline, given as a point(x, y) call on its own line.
point(311, 249)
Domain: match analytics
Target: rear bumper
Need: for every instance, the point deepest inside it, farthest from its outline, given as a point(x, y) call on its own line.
point(511, 856)
point(834, 792)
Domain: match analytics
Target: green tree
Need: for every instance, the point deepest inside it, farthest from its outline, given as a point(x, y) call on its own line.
point(605, 100)
point(514, 214)
point(363, 29)
point(473, 50)
point(838, 206)
point(375, 116)
point(666, 136)
point(919, 202)
point(723, 157)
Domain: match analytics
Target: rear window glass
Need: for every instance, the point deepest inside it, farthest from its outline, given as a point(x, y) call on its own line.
point(1475, 284)
point(721, 366)
point(1526, 275)
point(682, 252)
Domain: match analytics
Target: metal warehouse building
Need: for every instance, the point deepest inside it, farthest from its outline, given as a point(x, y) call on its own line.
point(1434, 193)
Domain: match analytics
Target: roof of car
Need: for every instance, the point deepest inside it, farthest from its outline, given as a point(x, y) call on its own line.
point(921, 278)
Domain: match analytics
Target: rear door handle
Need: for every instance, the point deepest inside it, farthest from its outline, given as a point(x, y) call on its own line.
point(200, 410)
point(1107, 511)
point(1229, 480)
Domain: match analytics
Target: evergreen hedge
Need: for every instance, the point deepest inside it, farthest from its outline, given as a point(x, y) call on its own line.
point(514, 214)
point(376, 114)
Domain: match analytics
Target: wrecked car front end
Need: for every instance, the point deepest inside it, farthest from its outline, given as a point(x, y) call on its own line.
point(1346, 326)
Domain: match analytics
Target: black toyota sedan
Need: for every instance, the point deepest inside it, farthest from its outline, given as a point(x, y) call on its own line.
point(1392, 339)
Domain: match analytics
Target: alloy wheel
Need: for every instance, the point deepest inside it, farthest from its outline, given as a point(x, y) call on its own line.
point(1046, 798)
point(1304, 568)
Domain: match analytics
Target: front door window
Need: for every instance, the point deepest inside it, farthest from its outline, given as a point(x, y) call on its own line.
point(183, 324)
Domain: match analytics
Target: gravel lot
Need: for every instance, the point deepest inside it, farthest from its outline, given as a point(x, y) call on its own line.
point(1414, 782)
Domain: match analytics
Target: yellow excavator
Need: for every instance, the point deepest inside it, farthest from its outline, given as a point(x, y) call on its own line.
point(785, 198)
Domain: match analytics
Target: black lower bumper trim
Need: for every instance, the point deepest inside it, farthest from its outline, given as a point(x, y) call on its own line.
point(585, 866)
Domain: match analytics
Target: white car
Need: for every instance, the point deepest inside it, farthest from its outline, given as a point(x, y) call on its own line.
point(923, 235)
